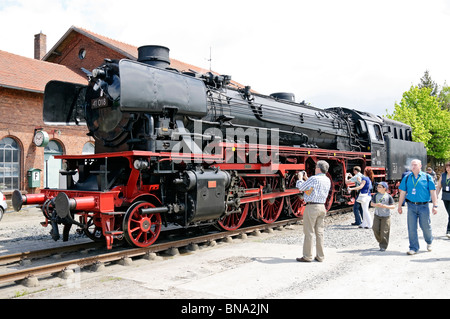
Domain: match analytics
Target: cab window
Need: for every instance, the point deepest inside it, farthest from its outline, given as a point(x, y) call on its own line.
point(375, 132)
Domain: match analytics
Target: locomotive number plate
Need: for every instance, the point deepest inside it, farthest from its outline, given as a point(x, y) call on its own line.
point(99, 103)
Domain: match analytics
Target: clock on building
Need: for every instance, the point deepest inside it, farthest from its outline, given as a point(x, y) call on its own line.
point(41, 138)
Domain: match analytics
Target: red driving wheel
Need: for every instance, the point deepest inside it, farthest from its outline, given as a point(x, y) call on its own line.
point(272, 207)
point(141, 230)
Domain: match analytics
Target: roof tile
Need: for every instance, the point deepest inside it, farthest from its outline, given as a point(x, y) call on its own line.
point(25, 73)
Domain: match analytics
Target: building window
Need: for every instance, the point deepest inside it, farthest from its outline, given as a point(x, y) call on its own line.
point(9, 164)
point(82, 54)
point(88, 149)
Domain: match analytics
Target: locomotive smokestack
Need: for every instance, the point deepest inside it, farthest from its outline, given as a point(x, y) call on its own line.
point(154, 55)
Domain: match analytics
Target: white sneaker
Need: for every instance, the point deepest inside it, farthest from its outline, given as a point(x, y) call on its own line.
point(429, 247)
point(411, 252)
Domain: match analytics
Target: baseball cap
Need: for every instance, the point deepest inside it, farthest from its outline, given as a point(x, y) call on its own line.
point(384, 184)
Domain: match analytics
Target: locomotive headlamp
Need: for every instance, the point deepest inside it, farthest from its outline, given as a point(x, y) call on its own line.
point(99, 73)
point(140, 164)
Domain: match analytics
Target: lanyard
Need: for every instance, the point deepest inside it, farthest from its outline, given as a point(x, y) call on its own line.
point(381, 199)
point(418, 178)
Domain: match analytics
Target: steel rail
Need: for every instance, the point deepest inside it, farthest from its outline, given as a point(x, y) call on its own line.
point(13, 258)
point(18, 275)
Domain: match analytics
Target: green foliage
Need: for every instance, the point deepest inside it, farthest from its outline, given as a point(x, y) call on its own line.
point(422, 111)
point(444, 97)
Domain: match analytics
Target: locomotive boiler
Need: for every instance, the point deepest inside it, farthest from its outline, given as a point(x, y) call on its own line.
point(183, 148)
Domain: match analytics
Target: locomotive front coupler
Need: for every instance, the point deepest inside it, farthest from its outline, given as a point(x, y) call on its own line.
point(67, 222)
point(55, 219)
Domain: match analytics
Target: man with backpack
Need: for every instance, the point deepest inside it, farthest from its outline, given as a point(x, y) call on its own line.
point(418, 188)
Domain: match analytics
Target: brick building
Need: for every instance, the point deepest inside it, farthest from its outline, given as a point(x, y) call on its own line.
point(22, 84)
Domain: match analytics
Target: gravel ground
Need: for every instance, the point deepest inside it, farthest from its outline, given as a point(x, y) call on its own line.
point(259, 267)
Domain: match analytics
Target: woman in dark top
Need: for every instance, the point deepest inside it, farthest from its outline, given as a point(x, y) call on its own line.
point(444, 184)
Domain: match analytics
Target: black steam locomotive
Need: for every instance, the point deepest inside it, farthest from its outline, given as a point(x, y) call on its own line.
point(185, 148)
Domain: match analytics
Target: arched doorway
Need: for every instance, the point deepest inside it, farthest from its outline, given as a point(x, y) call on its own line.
point(52, 165)
point(9, 164)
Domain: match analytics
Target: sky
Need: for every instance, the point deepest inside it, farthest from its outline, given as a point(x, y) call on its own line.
point(359, 54)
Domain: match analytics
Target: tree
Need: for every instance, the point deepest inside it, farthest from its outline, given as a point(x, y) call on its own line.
point(427, 82)
point(422, 111)
point(444, 97)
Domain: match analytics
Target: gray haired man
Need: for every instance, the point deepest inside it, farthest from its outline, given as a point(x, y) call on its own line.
point(316, 189)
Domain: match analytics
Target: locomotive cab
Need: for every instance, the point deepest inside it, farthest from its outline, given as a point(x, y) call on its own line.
point(372, 127)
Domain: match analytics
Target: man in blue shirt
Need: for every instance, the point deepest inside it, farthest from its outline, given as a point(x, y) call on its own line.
point(418, 188)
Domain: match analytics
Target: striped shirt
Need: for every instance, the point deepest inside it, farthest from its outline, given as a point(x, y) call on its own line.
point(315, 188)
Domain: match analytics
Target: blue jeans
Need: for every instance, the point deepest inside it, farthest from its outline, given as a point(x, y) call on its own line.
point(419, 213)
point(357, 210)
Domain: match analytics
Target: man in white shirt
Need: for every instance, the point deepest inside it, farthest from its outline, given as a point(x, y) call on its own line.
point(316, 189)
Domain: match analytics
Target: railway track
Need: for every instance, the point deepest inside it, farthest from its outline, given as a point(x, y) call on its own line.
point(22, 276)
point(29, 255)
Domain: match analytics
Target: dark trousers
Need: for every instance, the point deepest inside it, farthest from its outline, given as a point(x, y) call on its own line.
point(447, 207)
point(357, 210)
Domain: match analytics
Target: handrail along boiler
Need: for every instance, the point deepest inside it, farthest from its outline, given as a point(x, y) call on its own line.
point(189, 149)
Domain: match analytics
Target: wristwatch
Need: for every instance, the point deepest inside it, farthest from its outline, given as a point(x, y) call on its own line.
point(435, 206)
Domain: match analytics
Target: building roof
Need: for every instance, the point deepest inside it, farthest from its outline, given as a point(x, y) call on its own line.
point(18, 72)
point(127, 50)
